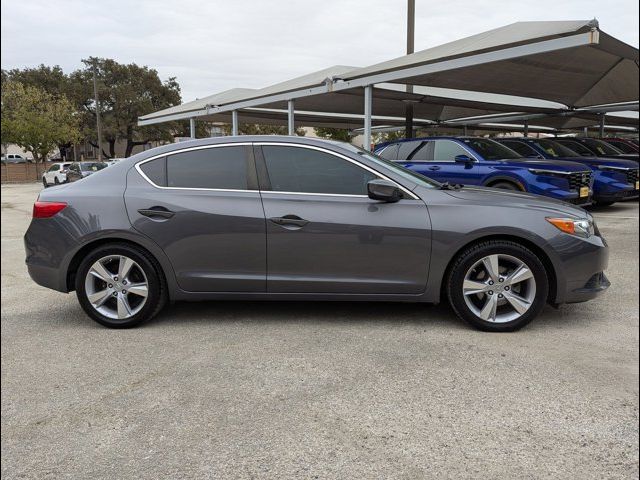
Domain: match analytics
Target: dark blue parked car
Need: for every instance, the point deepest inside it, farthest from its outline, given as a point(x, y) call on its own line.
point(615, 179)
point(481, 161)
point(594, 147)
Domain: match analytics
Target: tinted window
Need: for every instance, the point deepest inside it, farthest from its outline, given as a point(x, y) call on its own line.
point(54, 168)
point(447, 151)
point(490, 149)
point(222, 167)
point(293, 169)
point(623, 147)
point(555, 149)
point(405, 149)
point(390, 152)
point(601, 147)
point(156, 171)
point(92, 167)
point(521, 148)
point(577, 147)
point(422, 154)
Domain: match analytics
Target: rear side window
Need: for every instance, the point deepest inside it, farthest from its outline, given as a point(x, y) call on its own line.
point(156, 171)
point(303, 170)
point(407, 148)
point(422, 154)
point(218, 168)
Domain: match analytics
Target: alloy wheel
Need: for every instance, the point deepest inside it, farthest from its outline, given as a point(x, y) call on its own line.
point(499, 288)
point(116, 287)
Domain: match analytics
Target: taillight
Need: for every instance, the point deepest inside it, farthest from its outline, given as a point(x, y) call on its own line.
point(47, 209)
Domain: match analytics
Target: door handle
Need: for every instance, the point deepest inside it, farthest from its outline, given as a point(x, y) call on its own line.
point(161, 212)
point(434, 167)
point(293, 220)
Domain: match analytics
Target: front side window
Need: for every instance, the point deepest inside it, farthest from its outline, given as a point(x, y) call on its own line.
point(215, 168)
point(447, 151)
point(603, 148)
point(623, 147)
point(555, 149)
point(304, 170)
point(577, 147)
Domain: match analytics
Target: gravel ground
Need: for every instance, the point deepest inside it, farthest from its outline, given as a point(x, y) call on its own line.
point(312, 390)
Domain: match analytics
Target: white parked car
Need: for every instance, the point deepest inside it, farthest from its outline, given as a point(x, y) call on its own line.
point(14, 158)
point(56, 174)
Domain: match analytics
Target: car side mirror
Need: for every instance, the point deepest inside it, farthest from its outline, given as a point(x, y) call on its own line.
point(383, 190)
point(463, 159)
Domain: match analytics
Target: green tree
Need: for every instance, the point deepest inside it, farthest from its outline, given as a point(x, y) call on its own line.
point(333, 133)
point(36, 120)
point(127, 92)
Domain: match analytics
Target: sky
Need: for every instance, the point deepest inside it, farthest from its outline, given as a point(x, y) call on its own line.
point(212, 46)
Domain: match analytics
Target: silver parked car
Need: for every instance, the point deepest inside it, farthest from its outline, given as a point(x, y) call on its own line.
point(276, 218)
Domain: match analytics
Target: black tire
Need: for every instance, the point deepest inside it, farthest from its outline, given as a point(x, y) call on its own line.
point(604, 204)
point(44, 182)
point(56, 181)
point(157, 290)
point(504, 185)
point(471, 255)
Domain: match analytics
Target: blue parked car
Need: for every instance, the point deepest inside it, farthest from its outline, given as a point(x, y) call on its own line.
point(615, 179)
point(481, 161)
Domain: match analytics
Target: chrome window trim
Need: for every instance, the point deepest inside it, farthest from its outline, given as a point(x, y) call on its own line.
point(190, 149)
point(344, 157)
point(286, 144)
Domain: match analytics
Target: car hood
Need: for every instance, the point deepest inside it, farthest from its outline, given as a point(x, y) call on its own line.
point(555, 165)
point(501, 198)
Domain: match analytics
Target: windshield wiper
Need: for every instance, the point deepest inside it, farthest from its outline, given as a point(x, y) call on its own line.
point(448, 186)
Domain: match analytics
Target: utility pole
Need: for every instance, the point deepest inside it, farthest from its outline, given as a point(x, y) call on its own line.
point(411, 23)
point(97, 100)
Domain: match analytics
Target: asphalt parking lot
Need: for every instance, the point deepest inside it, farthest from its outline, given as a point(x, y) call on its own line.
point(334, 390)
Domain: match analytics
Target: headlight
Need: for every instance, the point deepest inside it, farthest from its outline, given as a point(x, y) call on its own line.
point(552, 173)
point(581, 228)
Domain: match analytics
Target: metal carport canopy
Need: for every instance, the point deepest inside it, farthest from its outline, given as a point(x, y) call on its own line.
point(569, 62)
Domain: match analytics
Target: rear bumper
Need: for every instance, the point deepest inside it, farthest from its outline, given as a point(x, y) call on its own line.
point(47, 277)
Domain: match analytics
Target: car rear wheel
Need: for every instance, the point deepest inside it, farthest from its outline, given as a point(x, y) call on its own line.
point(497, 286)
point(120, 286)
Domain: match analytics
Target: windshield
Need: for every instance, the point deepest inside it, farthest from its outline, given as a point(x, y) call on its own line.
point(555, 149)
point(577, 147)
point(490, 149)
point(398, 169)
point(603, 148)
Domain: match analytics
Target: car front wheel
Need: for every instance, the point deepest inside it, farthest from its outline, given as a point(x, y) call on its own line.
point(120, 286)
point(497, 286)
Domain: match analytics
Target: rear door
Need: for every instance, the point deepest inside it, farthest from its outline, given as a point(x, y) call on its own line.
point(444, 168)
point(325, 235)
point(203, 208)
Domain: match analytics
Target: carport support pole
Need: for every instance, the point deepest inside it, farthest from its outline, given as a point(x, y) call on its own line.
point(291, 117)
point(602, 125)
point(526, 128)
point(234, 122)
point(368, 95)
point(192, 127)
point(408, 108)
point(464, 130)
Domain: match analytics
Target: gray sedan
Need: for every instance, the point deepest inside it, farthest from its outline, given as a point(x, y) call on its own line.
point(290, 218)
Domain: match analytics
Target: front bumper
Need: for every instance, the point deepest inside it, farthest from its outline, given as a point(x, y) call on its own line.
point(580, 275)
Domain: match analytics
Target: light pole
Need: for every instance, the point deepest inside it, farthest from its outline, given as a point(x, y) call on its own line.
point(97, 100)
point(411, 23)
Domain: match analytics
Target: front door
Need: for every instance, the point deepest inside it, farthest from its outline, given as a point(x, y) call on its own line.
point(324, 235)
point(202, 207)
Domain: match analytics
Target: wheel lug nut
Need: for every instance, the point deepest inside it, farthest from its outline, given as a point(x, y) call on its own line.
point(124, 291)
point(115, 294)
point(490, 283)
point(506, 289)
point(115, 279)
point(500, 296)
point(501, 280)
point(490, 292)
point(111, 285)
point(124, 282)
